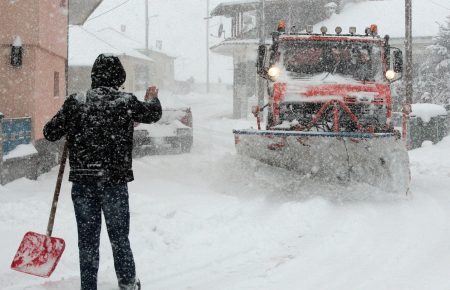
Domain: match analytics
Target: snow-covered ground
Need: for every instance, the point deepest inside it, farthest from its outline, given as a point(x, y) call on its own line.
point(211, 220)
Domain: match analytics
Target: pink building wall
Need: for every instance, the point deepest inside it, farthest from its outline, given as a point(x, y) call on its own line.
point(28, 90)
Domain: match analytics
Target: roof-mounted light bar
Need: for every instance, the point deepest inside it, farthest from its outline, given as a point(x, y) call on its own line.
point(372, 30)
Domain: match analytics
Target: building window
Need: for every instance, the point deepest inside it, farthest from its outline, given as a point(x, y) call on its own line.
point(63, 3)
point(56, 84)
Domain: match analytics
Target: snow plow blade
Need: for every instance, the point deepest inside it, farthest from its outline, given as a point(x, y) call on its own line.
point(378, 159)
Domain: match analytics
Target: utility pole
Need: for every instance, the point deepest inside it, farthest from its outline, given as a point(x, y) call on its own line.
point(406, 110)
point(207, 46)
point(262, 41)
point(408, 52)
point(147, 21)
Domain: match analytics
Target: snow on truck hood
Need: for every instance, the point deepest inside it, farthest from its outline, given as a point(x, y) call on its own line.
point(322, 87)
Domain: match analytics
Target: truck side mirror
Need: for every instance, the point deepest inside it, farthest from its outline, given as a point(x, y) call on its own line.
point(398, 61)
point(261, 58)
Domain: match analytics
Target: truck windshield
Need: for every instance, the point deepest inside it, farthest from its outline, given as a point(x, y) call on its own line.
point(360, 61)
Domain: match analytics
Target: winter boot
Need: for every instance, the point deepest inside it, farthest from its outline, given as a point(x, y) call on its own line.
point(136, 285)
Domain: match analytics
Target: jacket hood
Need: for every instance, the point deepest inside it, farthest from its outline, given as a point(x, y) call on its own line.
point(107, 71)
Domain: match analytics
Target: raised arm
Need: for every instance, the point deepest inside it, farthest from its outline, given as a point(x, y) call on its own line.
point(148, 111)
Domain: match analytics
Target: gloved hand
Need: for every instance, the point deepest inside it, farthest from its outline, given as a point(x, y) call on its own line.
point(151, 93)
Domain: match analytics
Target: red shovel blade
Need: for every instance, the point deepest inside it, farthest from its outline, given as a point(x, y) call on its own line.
point(38, 254)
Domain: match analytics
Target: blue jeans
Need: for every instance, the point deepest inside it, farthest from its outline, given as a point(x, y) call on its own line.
point(89, 201)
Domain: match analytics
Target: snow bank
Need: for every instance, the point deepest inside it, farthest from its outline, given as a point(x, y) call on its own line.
point(21, 150)
point(427, 111)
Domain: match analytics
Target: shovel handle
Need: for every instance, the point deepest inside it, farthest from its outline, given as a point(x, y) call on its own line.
point(62, 165)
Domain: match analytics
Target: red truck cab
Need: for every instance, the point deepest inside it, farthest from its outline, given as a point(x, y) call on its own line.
point(330, 82)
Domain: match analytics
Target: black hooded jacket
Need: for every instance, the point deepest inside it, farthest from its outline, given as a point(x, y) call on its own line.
point(98, 126)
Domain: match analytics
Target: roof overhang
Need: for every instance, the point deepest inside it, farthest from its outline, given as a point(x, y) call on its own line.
point(229, 9)
point(232, 47)
point(80, 10)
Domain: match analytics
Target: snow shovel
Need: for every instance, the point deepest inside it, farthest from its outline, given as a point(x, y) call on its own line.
point(39, 254)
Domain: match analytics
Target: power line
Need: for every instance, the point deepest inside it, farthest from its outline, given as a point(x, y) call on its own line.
point(440, 5)
point(114, 8)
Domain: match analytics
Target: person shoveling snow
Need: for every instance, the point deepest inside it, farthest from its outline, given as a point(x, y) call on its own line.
point(98, 126)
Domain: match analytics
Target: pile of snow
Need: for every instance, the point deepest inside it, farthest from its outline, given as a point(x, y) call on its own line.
point(21, 150)
point(427, 111)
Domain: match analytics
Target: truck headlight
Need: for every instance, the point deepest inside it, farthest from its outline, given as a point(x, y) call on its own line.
point(390, 75)
point(274, 72)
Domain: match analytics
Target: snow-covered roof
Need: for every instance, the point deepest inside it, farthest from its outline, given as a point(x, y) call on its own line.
point(389, 15)
point(85, 46)
point(226, 47)
point(118, 38)
point(114, 36)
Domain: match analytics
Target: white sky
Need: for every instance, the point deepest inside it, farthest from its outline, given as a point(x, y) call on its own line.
point(180, 25)
point(389, 15)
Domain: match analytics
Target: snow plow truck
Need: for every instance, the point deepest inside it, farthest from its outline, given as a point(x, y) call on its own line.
point(329, 109)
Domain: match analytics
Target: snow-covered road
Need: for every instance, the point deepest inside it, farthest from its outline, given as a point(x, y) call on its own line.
point(211, 220)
